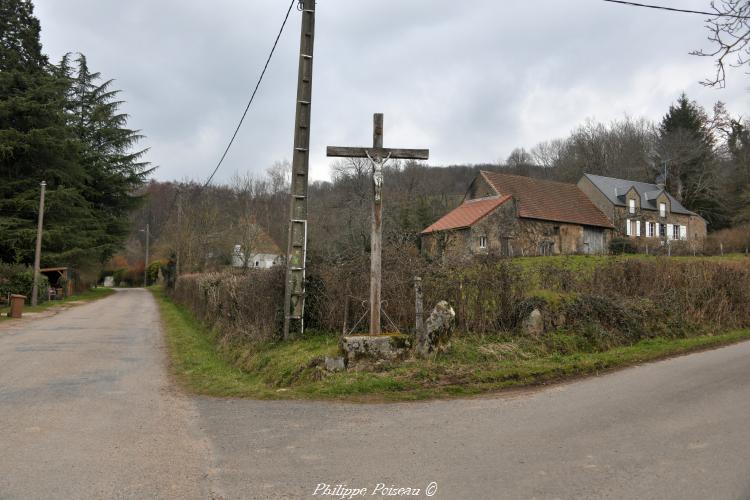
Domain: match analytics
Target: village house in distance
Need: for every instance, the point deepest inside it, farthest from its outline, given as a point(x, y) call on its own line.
point(262, 251)
point(511, 215)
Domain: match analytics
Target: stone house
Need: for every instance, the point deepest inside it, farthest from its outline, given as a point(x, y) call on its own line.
point(643, 211)
point(510, 215)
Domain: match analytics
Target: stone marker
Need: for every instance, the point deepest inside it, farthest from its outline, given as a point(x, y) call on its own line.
point(436, 334)
point(375, 347)
point(533, 325)
point(335, 364)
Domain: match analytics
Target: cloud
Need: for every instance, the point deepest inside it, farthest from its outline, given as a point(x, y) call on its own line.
point(470, 80)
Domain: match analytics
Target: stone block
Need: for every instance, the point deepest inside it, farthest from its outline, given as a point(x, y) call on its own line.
point(335, 364)
point(375, 347)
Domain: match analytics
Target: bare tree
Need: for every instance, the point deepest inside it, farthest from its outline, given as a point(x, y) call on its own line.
point(729, 32)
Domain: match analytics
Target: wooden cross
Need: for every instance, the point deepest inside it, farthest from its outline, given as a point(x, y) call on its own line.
point(378, 156)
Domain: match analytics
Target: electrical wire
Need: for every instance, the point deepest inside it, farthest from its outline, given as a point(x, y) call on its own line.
point(244, 113)
point(252, 97)
point(674, 9)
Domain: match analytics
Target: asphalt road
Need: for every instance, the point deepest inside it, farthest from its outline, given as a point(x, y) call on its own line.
point(87, 410)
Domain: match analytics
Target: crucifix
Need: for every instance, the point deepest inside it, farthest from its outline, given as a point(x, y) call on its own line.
point(378, 156)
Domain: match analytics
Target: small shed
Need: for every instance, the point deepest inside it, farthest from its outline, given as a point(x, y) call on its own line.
point(63, 281)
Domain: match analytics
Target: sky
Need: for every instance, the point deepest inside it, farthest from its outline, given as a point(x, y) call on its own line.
point(469, 80)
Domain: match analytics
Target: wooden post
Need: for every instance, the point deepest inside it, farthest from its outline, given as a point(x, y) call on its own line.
point(296, 252)
point(38, 250)
point(145, 266)
point(378, 156)
point(376, 238)
point(418, 306)
point(179, 237)
point(721, 247)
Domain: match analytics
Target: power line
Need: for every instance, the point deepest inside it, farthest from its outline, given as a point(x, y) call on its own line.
point(252, 97)
point(244, 113)
point(674, 9)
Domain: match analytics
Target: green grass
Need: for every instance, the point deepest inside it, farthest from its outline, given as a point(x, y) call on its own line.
point(87, 296)
point(474, 365)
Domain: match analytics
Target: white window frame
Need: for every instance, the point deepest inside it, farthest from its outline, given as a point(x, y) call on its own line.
point(631, 205)
point(676, 232)
point(670, 231)
point(649, 229)
point(683, 232)
point(662, 209)
point(482, 242)
point(638, 228)
point(628, 228)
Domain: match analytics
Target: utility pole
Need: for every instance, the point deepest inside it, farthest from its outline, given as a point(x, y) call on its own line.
point(294, 294)
point(145, 266)
point(179, 236)
point(38, 251)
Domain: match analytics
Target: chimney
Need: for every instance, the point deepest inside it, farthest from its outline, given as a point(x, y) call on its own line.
point(661, 181)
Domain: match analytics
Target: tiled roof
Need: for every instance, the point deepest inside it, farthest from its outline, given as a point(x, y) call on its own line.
point(548, 200)
point(616, 189)
point(467, 214)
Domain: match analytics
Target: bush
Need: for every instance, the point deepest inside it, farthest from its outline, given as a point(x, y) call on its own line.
point(240, 306)
point(620, 246)
point(19, 279)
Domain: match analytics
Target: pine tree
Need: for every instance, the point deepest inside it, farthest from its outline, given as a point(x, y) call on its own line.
point(36, 145)
point(686, 147)
point(114, 171)
point(61, 125)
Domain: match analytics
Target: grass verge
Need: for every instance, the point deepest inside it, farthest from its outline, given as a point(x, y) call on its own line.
point(87, 296)
point(474, 365)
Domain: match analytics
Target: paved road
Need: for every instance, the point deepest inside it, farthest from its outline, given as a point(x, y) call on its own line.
point(87, 411)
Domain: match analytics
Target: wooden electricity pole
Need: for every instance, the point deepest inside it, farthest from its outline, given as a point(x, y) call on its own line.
point(145, 267)
point(378, 156)
point(294, 294)
point(38, 250)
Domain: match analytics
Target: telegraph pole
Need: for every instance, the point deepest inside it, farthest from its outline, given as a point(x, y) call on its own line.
point(294, 295)
point(38, 251)
point(145, 267)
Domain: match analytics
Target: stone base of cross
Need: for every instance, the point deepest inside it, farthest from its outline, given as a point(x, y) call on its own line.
point(378, 156)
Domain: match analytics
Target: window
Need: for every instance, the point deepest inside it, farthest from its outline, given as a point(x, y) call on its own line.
point(628, 228)
point(631, 205)
point(676, 232)
point(683, 232)
point(638, 228)
point(662, 209)
point(649, 229)
point(482, 242)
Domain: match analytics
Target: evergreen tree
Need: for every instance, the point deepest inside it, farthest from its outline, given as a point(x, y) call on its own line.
point(35, 145)
point(686, 149)
point(61, 125)
point(114, 171)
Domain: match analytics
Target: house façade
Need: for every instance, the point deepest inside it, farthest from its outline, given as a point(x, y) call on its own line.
point(641, 210)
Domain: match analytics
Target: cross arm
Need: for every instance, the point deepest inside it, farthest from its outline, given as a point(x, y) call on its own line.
point(395, 154)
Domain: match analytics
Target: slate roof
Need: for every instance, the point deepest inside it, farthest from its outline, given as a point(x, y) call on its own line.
point(616, 189)
point(548, 200)
point(467, 214)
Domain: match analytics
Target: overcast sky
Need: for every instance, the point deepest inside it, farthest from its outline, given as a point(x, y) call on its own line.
point(470, 80)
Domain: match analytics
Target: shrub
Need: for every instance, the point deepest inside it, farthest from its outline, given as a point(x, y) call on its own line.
point(19, 279)
point(240, 306)
point(621, 246)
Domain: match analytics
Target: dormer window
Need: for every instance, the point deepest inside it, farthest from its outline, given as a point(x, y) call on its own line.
point(631, 205)
point(662, 209)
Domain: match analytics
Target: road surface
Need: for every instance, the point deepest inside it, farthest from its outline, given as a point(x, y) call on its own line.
point(87, 410)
